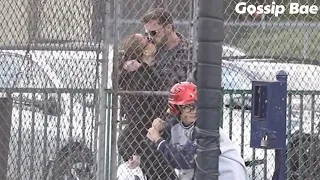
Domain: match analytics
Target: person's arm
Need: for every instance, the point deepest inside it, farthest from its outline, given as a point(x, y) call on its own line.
point(169, 123)
point(181, 157)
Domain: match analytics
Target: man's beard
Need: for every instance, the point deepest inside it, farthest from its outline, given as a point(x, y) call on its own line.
point(163, 42)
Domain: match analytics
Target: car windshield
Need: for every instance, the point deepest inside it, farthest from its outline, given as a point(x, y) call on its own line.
point(74, 70)
point(20, 71)
point(235, 80)
point(229, 51)
point(10, 68)
point(300, 76)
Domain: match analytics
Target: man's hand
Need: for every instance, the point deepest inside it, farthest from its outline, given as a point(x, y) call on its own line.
point(153, 134)
point(131, 65)
point(158, 124)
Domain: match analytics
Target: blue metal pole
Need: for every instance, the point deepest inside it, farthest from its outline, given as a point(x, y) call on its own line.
point(280, 154)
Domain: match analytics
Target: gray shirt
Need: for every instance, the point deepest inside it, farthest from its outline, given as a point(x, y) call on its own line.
point(181, 151)
point(181, 136)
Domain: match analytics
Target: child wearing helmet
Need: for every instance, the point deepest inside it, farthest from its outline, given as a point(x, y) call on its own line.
point(181, 148)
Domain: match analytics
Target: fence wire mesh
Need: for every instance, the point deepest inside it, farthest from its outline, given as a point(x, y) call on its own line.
point(265, 45)
point(49, 78)
point(163, 58)
point(255, 47)
point(53, 55)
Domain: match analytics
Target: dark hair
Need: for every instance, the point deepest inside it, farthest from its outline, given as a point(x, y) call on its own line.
point(160, 14)
point(131, 49)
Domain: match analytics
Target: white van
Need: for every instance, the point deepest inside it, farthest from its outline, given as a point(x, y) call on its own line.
point(54, 115)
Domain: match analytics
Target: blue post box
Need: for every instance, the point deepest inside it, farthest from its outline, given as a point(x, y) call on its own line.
point(268, 115)
point(268, 119)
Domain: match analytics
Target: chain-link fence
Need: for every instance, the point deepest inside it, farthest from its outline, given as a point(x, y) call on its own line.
point(270, 44)
point(164, 57)
point(256, 46)
point(58, 57)
point(49, 79)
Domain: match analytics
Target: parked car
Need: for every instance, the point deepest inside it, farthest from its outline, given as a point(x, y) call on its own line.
point(303, 115)
point(232, 51)
point(50, 125)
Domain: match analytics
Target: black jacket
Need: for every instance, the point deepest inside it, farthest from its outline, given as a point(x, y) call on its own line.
point(141, 107)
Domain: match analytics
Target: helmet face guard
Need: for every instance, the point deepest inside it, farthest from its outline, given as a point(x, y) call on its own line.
point(181, 94)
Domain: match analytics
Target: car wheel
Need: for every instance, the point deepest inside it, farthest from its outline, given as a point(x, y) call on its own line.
point(73, 162)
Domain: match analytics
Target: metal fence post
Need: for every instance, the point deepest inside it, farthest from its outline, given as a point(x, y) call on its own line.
point(101, 172)
point(305, 45)
point(5, 121)
point(280, 154)
point(210, 37)
point(114, 120)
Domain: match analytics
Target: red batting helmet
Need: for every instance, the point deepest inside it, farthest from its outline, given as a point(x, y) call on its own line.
point(183, 93)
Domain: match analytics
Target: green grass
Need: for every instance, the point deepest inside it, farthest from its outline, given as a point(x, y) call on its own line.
point(288, 42)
